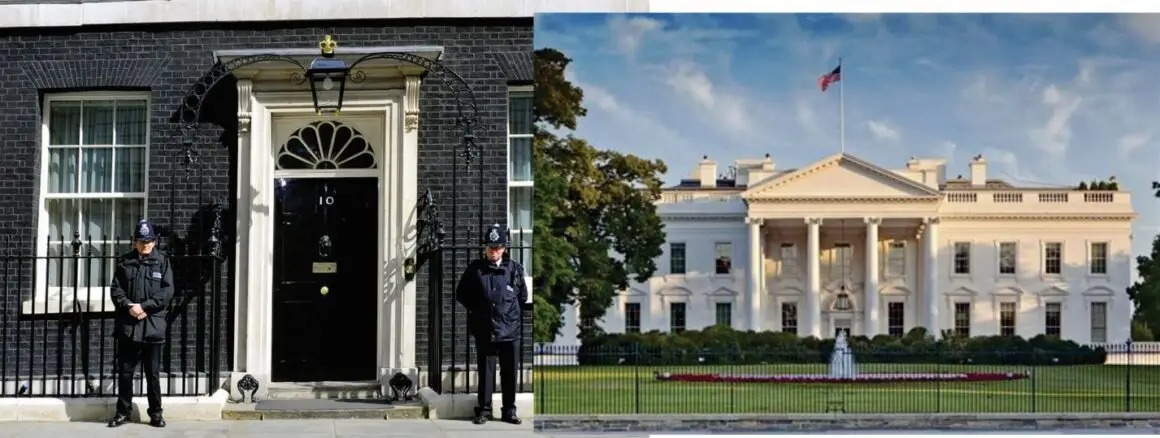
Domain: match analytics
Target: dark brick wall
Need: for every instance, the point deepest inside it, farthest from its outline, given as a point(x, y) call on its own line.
point(183, 53)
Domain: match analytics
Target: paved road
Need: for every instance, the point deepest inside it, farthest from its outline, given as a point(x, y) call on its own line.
point(382, 429)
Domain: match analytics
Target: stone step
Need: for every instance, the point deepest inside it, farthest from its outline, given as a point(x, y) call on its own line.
point(324, 409)
point(324, 390)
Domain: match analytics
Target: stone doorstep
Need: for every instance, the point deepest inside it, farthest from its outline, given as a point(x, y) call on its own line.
point(462, 406)
point(817, 422)
point(249, 411)
point(101, 409)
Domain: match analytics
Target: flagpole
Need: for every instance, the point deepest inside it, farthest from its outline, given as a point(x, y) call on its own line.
point(842, 107)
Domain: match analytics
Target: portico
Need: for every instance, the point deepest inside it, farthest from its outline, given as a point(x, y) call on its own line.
point(841, 283)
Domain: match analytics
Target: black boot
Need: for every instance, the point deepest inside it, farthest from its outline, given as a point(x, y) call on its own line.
point(118, 420)
point(157, 421)
point(512, 419)
point(480, 419)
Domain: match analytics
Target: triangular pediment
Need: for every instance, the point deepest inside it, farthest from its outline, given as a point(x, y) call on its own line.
point(840, 176)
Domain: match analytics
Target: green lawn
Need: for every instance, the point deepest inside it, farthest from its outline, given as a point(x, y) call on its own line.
point(631, 390)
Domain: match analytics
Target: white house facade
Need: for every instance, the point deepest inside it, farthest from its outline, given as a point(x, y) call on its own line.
point(843, 244)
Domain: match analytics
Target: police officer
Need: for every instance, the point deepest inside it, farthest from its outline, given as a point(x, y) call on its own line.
point(142, 289)
point(493, 292)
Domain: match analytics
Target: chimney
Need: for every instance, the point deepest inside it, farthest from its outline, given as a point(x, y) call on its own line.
point(707, 172)
point(978, 171)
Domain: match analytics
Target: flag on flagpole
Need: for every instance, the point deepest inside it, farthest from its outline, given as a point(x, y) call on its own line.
point(826, 80)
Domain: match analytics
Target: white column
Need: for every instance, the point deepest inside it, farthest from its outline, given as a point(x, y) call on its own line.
point(754, 274)
point(814, 285)
point(870, 302)
point(241, 281)
point(930, 280)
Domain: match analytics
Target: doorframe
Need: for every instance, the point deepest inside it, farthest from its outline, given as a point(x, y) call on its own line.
point(397, 181)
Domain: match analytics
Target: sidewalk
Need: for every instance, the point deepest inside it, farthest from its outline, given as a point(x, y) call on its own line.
point(284, 428)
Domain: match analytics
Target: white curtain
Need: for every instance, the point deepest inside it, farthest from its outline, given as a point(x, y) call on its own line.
point(95, 147)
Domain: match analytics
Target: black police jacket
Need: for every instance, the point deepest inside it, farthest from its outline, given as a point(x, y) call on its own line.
point(148, 281)
point(494, 297)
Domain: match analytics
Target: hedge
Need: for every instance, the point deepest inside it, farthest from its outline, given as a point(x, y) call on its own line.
point(723, 345)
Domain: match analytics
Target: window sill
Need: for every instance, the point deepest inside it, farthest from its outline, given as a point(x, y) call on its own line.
point(58, 301)
point(958, 276)
point(56, 306)
point(1104, 277)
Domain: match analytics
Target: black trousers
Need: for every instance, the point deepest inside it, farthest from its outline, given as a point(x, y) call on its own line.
point(129, 354)
point(486, 354)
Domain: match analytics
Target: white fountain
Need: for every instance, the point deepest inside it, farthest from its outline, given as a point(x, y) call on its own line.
point(842, 359)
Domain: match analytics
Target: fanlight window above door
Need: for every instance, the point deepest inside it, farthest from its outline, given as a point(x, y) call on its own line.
point(326, 145)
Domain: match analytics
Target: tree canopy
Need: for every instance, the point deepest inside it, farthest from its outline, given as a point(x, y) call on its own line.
point(1145, 293)
point(594, 215)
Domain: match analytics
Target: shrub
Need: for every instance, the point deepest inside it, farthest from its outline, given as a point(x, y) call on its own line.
point(721, 345)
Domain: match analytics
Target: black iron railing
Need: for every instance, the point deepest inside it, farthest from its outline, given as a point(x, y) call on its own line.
point(58, 322)
point(451, 347)
point(571, 380)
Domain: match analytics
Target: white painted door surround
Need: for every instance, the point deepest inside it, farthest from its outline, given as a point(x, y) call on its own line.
point(385, 111)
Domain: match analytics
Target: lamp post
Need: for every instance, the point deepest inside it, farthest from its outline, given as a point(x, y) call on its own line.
point(327, 76)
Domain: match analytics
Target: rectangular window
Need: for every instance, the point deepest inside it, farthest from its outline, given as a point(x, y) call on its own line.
point(677, 258)
point(724, 252)
point(725, 314)
point(840, 267)
point(1098, 259)
point(896, 259)
point(1006, 319)
point(676, 317)
point(1099, 322)
point(789, 264)
point(963, 320)
point(1053, 258)
point(962, 258)
point(1052, 316)
point(587, 323)
point(789, 318)
point(521, 121)
point(95, 184)
point(896, 319)
point(632, 317)
point(1007, 258)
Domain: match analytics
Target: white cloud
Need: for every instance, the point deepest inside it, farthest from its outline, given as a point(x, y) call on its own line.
point(1054, 135)
point(1130, 143)
point(692, 83)
point(1145, 27)
point(947, 149)
point(629, 33)
point(882, 131)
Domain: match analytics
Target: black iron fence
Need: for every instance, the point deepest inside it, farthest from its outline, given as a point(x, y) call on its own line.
point(632, 380)
point(451, 346)
point(57, 322)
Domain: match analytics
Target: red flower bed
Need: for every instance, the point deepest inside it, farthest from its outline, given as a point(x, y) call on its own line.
point(859, 378)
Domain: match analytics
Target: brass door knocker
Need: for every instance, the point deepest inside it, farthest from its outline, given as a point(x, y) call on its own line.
point(324, 246)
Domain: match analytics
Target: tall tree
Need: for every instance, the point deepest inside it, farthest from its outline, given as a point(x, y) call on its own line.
point(1145, 293)
point(595, 219)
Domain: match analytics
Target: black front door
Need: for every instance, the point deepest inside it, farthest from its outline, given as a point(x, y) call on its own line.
point(325, 300)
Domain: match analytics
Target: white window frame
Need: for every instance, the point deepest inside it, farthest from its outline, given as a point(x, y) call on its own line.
point(516, 234)
point(1091, 320)
point(52, 300)
point(1014, 317)
point(1043, 258)
point(954, 258)
point(797, 317)
point(671, 318)
point(715, 245)
point(684, 258)
point(1091, 257)
point(639, 316)
point(888, 259)
point(905, 310)
point(788, 265)
point(1062, 313)
point(955, 316)
point(999, 259)
point(837, 269)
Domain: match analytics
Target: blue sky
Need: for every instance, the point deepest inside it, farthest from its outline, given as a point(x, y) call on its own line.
point(1048, 99)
